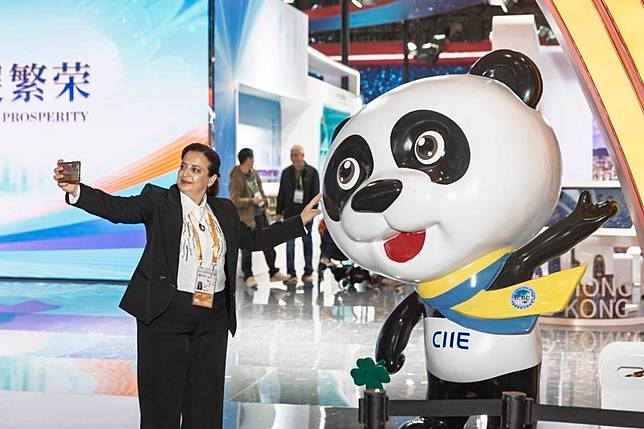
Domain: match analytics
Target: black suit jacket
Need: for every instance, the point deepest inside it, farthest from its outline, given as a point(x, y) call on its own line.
point(154, 282)
point(311, 183)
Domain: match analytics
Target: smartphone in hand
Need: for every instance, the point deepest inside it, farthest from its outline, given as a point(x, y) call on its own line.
point(71, 172)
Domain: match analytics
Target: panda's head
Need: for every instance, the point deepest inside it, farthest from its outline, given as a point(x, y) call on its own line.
point(441, 171)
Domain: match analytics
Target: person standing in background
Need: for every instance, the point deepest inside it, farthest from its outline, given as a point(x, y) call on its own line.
point(247, 194)
point(299, 184)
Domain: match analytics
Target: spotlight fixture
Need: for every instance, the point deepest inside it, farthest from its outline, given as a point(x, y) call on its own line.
point(429, 51)
point(411, 46)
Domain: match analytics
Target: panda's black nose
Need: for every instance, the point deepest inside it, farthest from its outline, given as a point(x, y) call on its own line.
point(377, 196)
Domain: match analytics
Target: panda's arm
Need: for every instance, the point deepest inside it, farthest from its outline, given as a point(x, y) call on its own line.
point(557, 239)
point(394, 334)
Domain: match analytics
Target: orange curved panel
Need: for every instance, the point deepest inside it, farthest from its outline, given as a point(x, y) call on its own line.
point(164, 160)
point(603, 39)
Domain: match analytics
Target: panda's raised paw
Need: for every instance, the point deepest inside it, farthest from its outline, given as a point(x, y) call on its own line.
point(587, 211)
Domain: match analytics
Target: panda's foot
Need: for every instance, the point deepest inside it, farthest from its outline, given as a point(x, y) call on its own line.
point(424, 423)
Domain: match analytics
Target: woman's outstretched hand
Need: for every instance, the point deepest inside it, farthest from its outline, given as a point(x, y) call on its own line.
point(70, 188)
point(308, 213)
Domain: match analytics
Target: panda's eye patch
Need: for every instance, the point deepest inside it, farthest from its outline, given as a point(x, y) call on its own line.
point(433, 143)
point(348, 173)
point(350, 165)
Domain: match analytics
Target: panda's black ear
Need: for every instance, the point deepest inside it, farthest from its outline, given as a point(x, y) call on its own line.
point(515, 70)
point(339, 127)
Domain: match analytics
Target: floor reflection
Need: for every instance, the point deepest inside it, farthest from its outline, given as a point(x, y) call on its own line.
point(288, 365)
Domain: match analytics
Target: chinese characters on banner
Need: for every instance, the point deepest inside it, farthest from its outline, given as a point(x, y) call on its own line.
point(31, 84)
point(66, 76)
point(28, 81)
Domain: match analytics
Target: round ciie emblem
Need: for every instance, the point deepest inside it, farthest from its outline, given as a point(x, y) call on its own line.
point(523, 297)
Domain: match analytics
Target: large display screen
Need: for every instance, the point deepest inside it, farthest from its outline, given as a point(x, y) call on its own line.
point(331, 118)
point(121, 86)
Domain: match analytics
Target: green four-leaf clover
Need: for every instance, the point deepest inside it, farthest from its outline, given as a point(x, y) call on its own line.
point(370, 374)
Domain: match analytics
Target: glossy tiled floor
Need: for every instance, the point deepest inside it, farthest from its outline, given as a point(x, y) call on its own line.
point(67, 357)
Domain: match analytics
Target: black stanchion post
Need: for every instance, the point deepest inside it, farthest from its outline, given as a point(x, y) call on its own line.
point(516, 410)
point(372, 409)
point(405, 40)
point(344, 38)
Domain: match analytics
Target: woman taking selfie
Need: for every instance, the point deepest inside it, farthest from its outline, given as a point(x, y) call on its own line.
point(182, 291)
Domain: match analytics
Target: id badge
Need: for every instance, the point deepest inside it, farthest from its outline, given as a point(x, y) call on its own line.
point(298, 196)
point(204, 286)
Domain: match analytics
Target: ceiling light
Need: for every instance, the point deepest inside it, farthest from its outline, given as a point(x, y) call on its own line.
point(505, 5)
point(429, 45)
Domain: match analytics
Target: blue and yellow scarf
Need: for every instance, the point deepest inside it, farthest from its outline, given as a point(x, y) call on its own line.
point(463, 298)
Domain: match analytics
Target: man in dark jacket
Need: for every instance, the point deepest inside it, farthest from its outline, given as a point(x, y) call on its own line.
point(299, 184)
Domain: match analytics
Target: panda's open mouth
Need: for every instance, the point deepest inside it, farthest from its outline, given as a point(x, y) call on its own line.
point(404, 246)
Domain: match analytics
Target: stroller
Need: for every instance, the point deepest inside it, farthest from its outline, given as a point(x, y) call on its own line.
point(336, 272)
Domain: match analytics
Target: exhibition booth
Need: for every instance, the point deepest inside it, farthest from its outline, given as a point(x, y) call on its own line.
point(272, 90)
point(124, 87)
point(610, 288)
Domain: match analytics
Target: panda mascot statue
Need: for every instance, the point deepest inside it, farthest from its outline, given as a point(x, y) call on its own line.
point(447, 182)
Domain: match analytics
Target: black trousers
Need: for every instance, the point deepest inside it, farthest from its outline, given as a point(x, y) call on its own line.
point(269, 254)
point(182, 365)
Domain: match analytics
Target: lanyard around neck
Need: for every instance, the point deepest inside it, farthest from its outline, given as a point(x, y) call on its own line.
point(300, 179)
point(215, 238)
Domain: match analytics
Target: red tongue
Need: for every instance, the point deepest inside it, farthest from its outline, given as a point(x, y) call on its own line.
point(404, 246)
